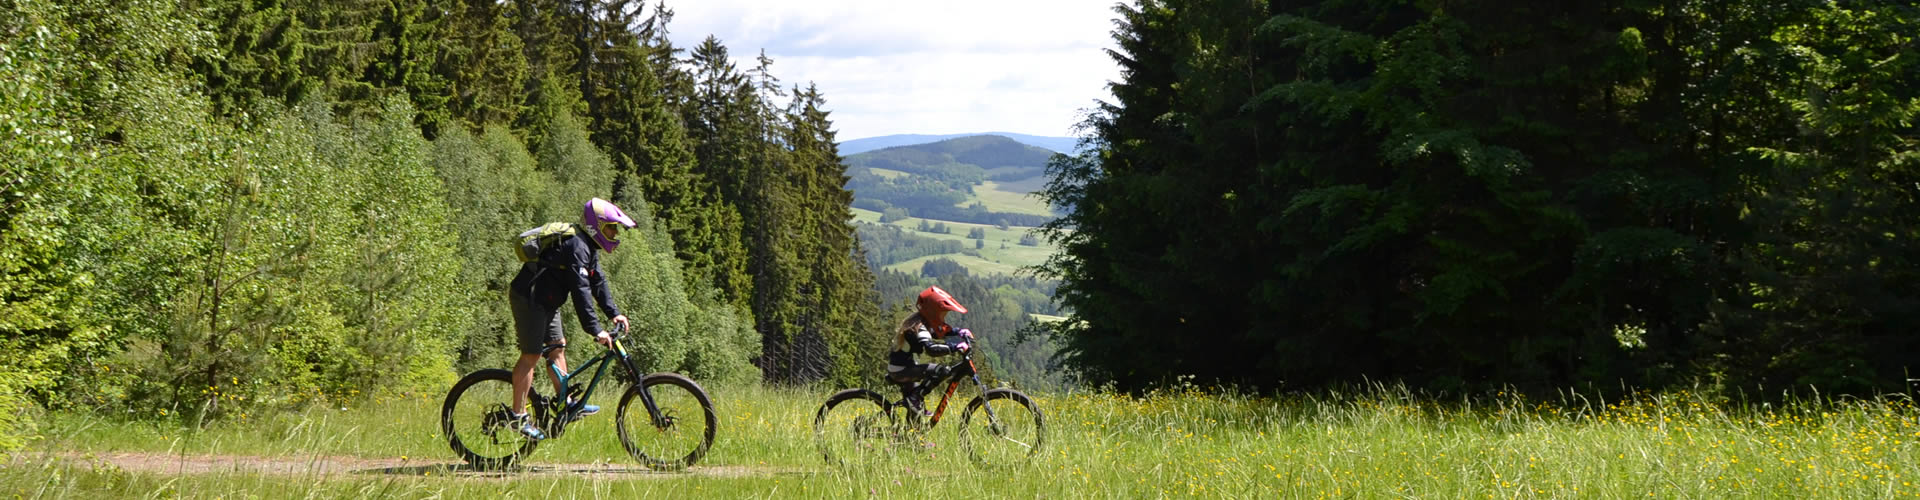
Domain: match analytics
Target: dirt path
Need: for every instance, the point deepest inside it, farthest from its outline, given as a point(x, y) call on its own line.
point(163, 463)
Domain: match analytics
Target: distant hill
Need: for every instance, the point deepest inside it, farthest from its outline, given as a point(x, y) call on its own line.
point(981, 179)
point(857, 146)
point(946, 159)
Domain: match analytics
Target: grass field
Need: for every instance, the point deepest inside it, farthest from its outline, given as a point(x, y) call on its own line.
point(974, 265)
point(1375, 444)
point(1000, 198)
point(886, 173)
point(994, 260)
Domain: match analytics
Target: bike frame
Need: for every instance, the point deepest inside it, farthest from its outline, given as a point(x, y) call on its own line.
point(972, 370)
point(598, 364)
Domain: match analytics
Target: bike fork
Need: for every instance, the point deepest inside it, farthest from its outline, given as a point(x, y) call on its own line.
point(993, 421)
point(646, 396)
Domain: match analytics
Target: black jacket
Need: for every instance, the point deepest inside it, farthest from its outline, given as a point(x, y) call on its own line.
point(569, 268)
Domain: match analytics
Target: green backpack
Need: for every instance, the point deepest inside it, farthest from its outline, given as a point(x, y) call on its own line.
point(536, 241)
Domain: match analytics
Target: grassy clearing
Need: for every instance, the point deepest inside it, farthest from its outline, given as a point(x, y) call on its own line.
point(1002, 198)
point(1002, 260)
point(1380, 443)
point(887, 173)
point(975, 265)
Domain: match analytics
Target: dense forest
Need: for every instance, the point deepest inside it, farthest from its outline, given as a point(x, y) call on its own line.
point(217, 207)
point(1541, 195)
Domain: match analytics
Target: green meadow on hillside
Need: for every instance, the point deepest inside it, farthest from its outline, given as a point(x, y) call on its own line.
point(1373, 443)
point(1000, 197)
point(993, 259)
point(974, 265)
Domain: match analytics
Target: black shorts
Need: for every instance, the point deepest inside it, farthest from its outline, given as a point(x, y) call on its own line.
point(534, 326)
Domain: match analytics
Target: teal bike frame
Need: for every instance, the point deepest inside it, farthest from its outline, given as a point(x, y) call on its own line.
point(551, 412)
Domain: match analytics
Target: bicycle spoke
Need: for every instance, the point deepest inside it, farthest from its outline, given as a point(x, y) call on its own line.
point(1016, 441)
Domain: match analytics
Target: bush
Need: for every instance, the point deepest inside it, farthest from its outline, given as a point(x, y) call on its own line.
point(892, 214)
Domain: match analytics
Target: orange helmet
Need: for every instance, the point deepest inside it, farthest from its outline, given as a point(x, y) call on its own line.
point(935, 298)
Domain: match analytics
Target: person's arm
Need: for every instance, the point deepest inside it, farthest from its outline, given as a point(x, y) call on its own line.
point(585, 272)
point(602, 294)
point(924, 339)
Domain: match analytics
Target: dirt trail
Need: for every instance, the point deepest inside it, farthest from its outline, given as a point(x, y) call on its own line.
point(164, 463)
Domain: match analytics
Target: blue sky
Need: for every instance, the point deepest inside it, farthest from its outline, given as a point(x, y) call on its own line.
point(924, 67)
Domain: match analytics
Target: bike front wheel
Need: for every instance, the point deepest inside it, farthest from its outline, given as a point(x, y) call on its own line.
point(1012, 434)
point(682, 434)
point(478, 424)
point(854, 424)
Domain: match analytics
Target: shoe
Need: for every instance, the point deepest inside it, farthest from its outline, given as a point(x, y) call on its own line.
point(527, 428)
point(913, 404)
point(583, 412)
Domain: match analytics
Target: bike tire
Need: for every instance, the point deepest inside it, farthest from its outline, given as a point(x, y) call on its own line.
point(471, 419)
point(676, 396)
point(1022, 434)
point(865, 417)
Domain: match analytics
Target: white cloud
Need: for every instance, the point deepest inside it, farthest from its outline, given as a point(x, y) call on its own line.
point(929, 67)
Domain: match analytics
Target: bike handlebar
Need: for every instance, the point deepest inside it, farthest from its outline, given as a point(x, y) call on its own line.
point(618, 332)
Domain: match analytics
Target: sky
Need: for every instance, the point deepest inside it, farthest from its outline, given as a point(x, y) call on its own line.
point(923, 66)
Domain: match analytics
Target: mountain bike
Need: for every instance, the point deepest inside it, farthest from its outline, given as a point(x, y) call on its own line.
point(999, 427)
point(670, 428)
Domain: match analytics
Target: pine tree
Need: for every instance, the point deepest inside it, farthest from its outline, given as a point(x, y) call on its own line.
point(719, 125)
point(261, 55)
point(481, 60)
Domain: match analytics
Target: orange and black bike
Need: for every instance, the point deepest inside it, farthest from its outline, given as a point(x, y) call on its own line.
point(999, 427)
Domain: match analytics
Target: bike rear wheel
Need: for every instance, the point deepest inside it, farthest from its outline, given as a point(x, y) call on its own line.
point(477, 421)
point(1014, 436)
point(852, 426)
point(686, 430)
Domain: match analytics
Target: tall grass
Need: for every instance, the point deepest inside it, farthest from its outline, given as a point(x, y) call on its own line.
point(1372, 442)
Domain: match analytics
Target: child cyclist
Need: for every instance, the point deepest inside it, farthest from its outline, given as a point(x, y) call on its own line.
point(916, 335)
point(568, 267)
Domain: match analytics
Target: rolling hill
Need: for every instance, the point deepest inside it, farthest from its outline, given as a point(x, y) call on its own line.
point(981, 182)
point(982, 179)
point(865, 144)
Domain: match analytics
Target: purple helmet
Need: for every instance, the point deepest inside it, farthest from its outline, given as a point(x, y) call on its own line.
point(601, 218)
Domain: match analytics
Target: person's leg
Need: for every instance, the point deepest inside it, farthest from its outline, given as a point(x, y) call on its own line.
point(529, 327)
point(556, 336)
point(523, 380)
point(559, 357)
point(910, 379)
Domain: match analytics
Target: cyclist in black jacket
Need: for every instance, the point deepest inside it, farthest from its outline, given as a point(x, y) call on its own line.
point(568, 268)
point(916, 335)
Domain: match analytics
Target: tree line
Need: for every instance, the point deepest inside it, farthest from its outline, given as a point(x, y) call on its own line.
point(1522, 194)
point(225, 206)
